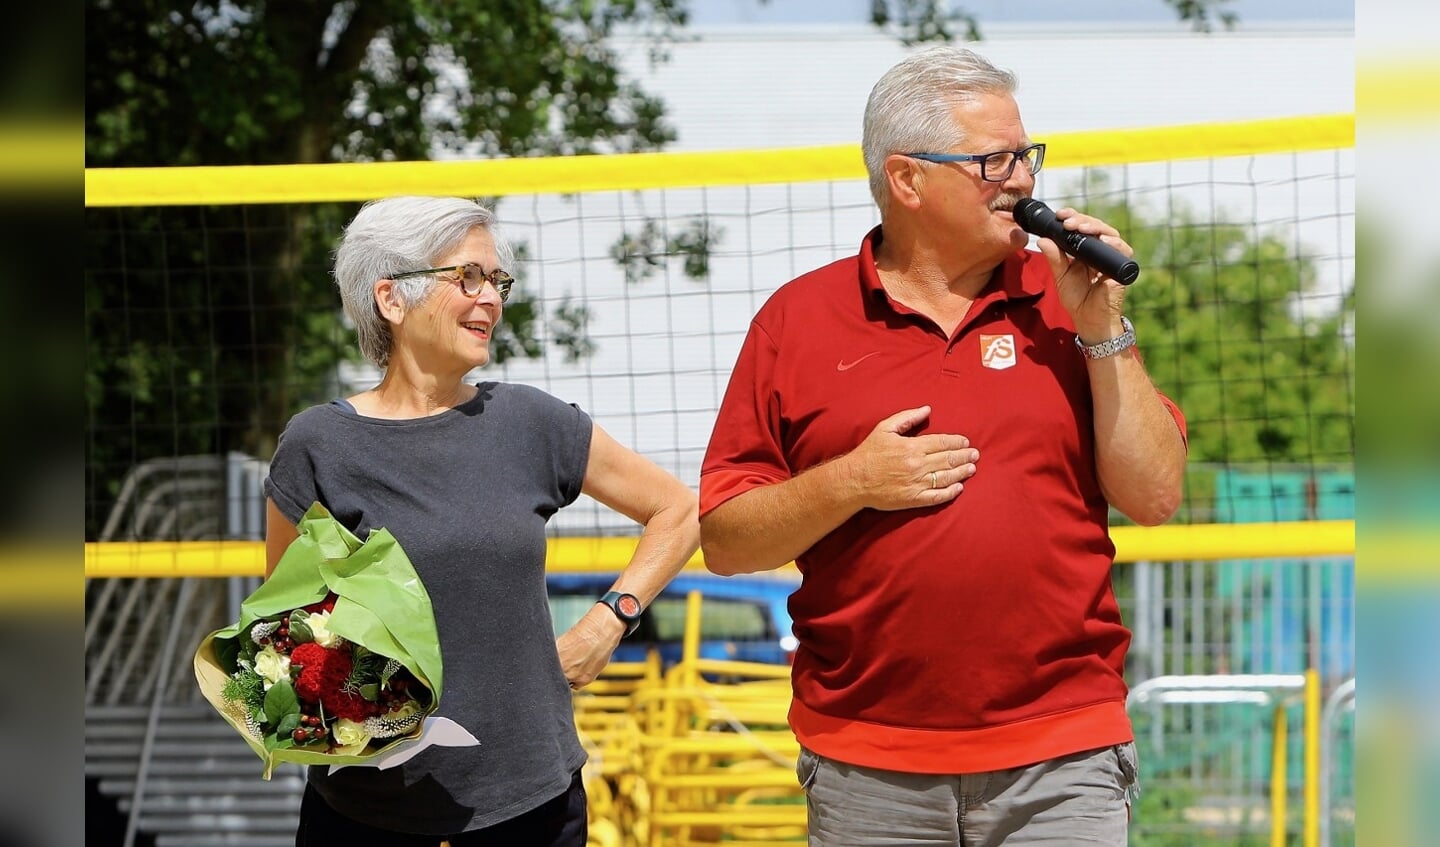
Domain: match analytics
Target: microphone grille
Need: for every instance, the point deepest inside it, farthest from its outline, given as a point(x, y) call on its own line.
point(1032, 215)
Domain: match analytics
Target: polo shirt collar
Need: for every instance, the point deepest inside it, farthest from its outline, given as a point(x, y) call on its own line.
point(1017, 279)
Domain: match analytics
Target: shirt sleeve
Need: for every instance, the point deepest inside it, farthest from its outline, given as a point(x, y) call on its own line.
point(746, 449)
point(291, 480)
point(1179, 417)
point(573, 457)
point(555, 436)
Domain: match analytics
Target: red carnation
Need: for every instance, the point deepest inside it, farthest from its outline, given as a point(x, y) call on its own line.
point(323, 672)
point(352, 707)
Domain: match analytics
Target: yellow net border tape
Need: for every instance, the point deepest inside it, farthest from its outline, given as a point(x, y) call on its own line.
point(1183, 542)
point(357, 181)
point(1402, 557)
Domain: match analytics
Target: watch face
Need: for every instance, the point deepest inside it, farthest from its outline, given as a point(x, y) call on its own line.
point(628, 606)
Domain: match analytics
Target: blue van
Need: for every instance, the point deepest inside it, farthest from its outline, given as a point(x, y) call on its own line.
point(743, 618)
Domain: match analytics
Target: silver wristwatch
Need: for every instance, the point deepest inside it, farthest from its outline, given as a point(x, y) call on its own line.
point(1121, 342)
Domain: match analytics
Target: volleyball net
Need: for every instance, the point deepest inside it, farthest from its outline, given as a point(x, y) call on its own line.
point(211, 318)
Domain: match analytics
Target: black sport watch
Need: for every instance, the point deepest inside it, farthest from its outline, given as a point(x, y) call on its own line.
point(625, 606)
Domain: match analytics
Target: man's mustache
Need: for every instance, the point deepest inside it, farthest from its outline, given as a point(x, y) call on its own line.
point(1005, 202)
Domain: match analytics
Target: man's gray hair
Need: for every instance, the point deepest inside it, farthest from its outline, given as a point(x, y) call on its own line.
point(395, 235)
point(911, 108)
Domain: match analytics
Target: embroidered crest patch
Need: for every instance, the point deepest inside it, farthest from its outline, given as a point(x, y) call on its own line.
point(997, 351)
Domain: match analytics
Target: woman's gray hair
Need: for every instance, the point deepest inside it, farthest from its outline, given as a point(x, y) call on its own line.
point(395, 235)
point(911, 109)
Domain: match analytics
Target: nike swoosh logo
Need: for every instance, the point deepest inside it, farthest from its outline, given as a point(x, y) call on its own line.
point(843, 365)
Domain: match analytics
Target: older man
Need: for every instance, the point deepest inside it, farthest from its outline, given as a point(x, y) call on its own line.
point(959, 675)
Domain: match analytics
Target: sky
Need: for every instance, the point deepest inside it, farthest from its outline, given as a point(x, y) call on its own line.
point(720, 12)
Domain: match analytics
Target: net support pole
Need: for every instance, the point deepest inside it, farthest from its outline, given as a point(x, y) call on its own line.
point(1312, 758)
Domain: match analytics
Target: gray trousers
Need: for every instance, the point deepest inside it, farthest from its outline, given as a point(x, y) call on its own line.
point(1083, 798)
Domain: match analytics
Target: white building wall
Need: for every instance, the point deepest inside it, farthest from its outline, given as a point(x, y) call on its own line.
point(741, 87)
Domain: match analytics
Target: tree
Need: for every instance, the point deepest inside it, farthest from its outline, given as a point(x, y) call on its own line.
point(1218, 311)
point(207, 327)
point(1258, 381)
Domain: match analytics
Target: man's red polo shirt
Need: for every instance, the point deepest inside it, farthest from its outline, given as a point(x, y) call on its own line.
point(978, 635)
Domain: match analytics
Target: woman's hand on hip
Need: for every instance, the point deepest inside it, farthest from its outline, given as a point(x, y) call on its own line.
point(585, 649)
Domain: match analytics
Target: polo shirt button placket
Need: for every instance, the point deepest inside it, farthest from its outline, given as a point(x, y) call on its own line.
point(948, 365)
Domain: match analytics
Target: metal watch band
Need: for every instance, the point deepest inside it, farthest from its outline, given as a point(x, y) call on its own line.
point(1121, 342)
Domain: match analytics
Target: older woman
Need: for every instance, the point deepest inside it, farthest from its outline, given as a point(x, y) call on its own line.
point(465, 475)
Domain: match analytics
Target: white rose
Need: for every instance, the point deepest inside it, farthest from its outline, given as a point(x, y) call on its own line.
point(272, 666)
point(347, 732)
point(319, 623)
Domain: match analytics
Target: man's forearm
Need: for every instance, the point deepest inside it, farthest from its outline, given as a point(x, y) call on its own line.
point(1139, 452)
point(768, 527)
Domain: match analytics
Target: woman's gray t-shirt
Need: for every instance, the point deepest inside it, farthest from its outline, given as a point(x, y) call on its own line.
point(467, 494)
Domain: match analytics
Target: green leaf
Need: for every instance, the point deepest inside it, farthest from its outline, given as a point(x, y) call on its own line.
point(288, 724)
point(300, 631)
point(370, 691)
point(280, 701)
point(227, 652)
point(246, 644)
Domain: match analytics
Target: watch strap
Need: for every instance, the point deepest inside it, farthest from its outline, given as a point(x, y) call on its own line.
point(1105, 349)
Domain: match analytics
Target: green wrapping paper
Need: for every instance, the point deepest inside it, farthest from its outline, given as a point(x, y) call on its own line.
point(380, 605)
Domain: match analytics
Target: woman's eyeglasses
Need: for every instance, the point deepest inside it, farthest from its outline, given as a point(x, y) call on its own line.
point(471, 278)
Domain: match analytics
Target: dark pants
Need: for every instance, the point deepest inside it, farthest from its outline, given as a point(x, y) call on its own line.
point(556, 823)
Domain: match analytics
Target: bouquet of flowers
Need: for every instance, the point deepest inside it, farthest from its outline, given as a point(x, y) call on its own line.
point(297, 683)
point(335, 659)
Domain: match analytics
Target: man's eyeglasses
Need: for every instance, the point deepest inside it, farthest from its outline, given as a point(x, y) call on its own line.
point(471, 278)
point(994, 167)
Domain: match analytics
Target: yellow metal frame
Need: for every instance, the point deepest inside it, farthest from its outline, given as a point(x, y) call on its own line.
point(1279, 743)
point(699, 747)
point(1312, 758)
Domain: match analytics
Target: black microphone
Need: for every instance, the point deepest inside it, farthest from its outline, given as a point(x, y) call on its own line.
point(1036, 218)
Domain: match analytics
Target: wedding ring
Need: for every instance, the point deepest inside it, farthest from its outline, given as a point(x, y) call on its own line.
point(934, 480)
